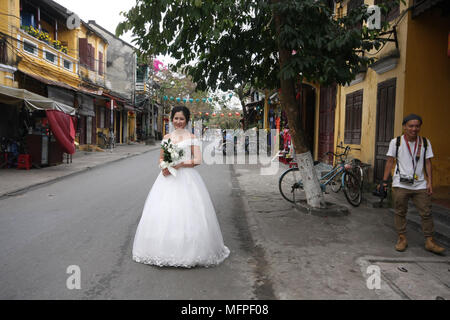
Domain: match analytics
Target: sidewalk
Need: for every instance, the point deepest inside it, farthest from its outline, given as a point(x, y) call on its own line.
point(14, 181)
point(327, 257)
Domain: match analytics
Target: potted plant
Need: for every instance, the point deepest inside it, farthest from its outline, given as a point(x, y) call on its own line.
point(57, 44)
point(44, 36)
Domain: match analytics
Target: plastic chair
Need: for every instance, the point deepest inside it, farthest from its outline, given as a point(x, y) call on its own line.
point(24, 161)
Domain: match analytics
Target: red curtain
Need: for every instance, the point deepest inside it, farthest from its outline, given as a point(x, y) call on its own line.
point(63, 128)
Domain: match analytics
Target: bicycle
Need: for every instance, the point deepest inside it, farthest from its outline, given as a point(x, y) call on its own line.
point(357, 169)
point(291, 186)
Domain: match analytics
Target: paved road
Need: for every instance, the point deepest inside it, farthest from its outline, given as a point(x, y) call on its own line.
point(89, 220)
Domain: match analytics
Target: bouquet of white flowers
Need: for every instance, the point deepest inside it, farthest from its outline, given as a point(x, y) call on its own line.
point(171, 155)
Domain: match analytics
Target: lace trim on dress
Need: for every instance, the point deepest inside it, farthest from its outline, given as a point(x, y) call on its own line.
point(174, 262)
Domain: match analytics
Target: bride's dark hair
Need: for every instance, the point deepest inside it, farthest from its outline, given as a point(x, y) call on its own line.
point(186, 112)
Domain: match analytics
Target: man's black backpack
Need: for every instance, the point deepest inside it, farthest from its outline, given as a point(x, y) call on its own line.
point(425, 146)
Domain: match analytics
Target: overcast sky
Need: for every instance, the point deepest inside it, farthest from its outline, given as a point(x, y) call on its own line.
point(106, 13)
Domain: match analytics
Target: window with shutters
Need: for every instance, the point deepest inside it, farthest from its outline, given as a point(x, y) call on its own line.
point(353, 117)
point(91, 57)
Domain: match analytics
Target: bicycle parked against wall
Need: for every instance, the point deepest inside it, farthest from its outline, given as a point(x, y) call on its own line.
point(357, 168)
point(291, 185)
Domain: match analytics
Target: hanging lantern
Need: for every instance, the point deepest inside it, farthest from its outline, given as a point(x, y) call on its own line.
point(237, 113)
point(171, 98)
point(184, 100)
point(230, 95)
point(230, 114)
point(178, 99)
point(191, 100)
point(210, 99)
point(214, 114)
point(197, 100)
point(199, 113)
point(221, 114)
point(207, 114)
point(204, 100)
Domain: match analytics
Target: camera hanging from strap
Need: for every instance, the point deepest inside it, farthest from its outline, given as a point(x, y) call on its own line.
point(425, 146)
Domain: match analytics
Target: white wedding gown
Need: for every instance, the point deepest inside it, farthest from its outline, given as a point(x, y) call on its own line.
point(179, 226)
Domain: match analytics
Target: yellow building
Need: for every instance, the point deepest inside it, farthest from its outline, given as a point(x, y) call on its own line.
point(409, 76)
point(92, 48)
point(38, 42)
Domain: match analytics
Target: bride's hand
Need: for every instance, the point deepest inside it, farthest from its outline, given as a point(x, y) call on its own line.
point(178, 165)
point(165, 172)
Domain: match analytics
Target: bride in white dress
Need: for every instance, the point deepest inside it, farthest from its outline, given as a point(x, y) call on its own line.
point(178, 226)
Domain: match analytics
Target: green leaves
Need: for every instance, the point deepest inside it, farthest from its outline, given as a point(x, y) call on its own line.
point(229, 42)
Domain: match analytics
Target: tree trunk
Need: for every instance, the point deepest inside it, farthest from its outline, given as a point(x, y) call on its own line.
point(240, 92)
point(311, 185)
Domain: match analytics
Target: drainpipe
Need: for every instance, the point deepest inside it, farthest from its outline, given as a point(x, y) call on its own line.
point(39, 18)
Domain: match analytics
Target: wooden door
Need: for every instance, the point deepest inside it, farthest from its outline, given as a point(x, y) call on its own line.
point(327, 106)
point(82, 129)
point(385, 124)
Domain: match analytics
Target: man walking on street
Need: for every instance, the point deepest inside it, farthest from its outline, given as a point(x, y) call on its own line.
point(412, 180)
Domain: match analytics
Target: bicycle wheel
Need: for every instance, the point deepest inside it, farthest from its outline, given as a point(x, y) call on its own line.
point(336, 183)
point(291, 186)
point(352, 189)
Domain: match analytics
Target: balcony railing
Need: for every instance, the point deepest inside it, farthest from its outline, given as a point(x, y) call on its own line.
point(33, 47)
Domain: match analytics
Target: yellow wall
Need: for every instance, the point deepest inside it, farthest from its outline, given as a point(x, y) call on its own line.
point(369, 105)
point(96, 42)
point(37, 64)
point(427, 87)
point(9, 23)
point(422, 87)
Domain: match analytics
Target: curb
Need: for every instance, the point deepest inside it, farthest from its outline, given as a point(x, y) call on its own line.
point(53, 180)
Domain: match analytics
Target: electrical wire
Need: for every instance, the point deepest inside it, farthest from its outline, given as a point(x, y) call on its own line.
point(38, 70)
point(25, 54)
point(76, 60)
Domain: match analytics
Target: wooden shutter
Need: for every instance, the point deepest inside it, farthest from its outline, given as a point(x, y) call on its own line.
point(353, 117)
point(100, 63)
point(357, 117)
point(91, 55)
point(83, 51)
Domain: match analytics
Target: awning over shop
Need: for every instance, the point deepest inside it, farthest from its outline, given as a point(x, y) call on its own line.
point(32, 100)
point(63, 129)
